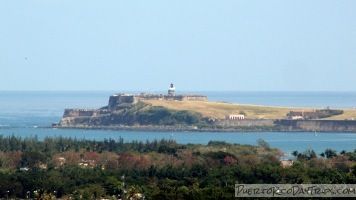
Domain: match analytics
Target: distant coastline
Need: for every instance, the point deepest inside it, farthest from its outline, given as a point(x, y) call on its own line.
point(194, 129)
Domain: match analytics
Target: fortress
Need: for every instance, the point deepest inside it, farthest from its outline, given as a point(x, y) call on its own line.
point(118, 99)
point(128, 110)
point(74, 116)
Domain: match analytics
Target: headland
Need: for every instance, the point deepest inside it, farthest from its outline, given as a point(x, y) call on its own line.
point(192, 112)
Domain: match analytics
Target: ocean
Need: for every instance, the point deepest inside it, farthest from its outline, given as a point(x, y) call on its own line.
point(22, 112)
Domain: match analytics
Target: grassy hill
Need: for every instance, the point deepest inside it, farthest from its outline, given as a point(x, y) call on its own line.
point(218, 110)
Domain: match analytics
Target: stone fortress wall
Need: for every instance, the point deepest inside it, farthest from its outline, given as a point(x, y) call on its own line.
point(318, 125)
point(244, 122)
point(119, 99)
point(85, 112)
point(71, 116)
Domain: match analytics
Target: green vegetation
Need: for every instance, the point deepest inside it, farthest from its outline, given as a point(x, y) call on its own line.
point(145, 114)
point(324, 113)
point(317, 114)
point(160, 169)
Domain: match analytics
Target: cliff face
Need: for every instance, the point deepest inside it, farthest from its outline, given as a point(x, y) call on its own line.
point(72, 117)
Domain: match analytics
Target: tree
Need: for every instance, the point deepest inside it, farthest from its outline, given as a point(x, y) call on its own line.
point(295, 153)
point(228, 160)
point(113, 186)
point(128, 160)
point(182, 192)
point(330, 153)
point(264, 144)
point(307, 154)
point(32, 159)
point(198, 170)
point(93, 191)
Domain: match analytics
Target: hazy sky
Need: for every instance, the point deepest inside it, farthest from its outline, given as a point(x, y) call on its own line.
point(304, 45)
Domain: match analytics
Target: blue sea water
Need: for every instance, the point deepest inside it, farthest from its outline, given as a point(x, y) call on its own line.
point(20, 112)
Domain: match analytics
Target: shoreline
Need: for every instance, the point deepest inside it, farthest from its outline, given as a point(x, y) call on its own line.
point(191, 129)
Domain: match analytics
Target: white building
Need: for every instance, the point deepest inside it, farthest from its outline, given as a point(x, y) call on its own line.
point(234, 117)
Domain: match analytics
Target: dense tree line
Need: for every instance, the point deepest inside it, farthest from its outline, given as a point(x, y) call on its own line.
point(159, 169)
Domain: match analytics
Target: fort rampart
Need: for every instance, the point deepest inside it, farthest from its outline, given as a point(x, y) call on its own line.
point(244, 122)
point(318, 125)
point(118, 99)
point(293, 125)
point(72, 117)
point(85, 112)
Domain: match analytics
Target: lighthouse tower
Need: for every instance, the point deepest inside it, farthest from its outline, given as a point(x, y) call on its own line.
point(171, 90)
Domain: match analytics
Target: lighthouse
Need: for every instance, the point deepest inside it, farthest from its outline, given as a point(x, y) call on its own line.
point(171, 90)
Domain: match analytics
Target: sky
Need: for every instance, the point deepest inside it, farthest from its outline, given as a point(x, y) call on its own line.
point(200, 45)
